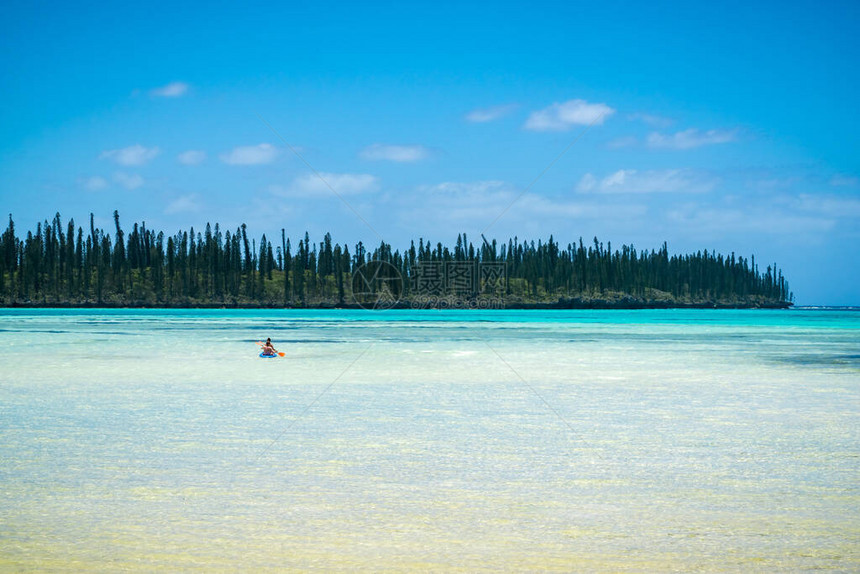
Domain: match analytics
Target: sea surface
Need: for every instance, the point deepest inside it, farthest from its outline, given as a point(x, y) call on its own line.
point(625, 441)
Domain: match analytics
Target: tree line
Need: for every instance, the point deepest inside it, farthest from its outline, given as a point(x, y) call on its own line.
point(67, 264)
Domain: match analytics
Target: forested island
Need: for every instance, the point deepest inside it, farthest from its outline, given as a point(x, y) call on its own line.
point(62, 265)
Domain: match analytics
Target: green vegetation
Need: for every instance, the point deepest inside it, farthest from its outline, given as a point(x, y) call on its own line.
point(64, 266)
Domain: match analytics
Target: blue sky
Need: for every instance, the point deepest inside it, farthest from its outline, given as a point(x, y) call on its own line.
point(730, 127)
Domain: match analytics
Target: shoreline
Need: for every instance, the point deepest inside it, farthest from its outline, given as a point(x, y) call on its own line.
point(466, 305)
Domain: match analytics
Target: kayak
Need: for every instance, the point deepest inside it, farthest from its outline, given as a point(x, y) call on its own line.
point(262, 356)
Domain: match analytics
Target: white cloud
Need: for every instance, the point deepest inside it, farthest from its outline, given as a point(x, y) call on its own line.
point(691, 138)
point(490, 114)
point(560, 117)
point(94, 183)
point(548, 208)
point(625, 141)
point(844, 181)
point(128, 180)
point(192, 157)
point(828, 205)
point(632, 181)
point(451, 207)
point(459, 188)
point(183, 204)
point(250, 155)
point(310, 185)
point(719, 221)
point(587, 183)
point(131, 156)
point(652, 120)
point(171, 90)
point(440, 205)
point(774, 183)
point(398, 153)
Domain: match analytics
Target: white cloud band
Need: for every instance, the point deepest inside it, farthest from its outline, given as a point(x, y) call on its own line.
point(633, 181)
point(135, 155)
point(192, 157)
point(562, 116)
point(396, 153)
point(250, 155)
point(171, 90)
point(691, 138)
point(313, 185)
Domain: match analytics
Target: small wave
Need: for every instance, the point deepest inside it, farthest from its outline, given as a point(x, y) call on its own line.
point(820, 360)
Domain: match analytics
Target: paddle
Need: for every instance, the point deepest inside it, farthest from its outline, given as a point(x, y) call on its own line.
point(280, 354)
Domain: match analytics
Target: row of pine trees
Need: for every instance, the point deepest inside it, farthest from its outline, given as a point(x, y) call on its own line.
point(66, 264)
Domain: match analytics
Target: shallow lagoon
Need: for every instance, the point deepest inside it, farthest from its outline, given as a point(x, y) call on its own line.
point(518, 440)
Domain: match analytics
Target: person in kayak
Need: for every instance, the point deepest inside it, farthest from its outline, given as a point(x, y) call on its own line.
point(268, 349)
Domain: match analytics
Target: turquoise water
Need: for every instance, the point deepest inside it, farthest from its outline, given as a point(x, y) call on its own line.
point(135, 440)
